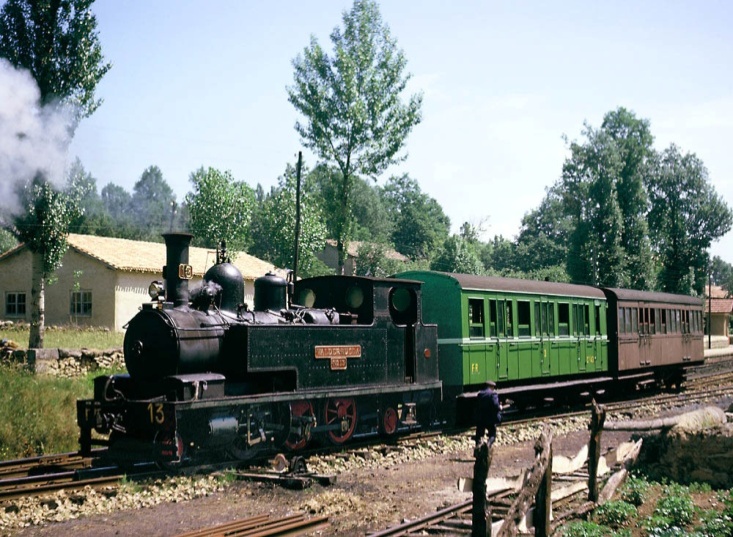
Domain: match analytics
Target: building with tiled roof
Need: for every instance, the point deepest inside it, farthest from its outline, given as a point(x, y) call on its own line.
point(719, 311)
point(103, 281)
point(329, 255)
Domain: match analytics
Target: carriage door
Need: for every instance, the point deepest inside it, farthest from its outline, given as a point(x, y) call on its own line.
point(545, 323)
point(503, 325)
point(599, 345)
point(582, 332)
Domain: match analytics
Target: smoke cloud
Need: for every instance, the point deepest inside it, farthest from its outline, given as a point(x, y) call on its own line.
point(33, 138)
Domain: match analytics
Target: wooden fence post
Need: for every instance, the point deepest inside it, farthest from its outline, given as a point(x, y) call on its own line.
point(543, 502)
point(598, 418)
point(481, 510)
point(532, 481)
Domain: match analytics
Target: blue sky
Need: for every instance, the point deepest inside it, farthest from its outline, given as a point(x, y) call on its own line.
point(203, 84)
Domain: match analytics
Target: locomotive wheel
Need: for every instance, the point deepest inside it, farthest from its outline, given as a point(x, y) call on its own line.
point(341, 412)
point(389, 421)
point(300, 409)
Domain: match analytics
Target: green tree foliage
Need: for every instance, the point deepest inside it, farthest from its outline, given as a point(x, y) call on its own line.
point(589, 179)
point(57, 41)
point(722, 274)
point(93, 218)
point(219, 208)
point(351, 102)
point(43, 228)
point(421, 226)
point(7, 241)
point(153, 205)
point(633, 140)
point(457, 255)
point(369, 216)
point(117, 203)
point(542, 242)
point(499, 256)
point(273, 229)
point(375, 261)
point(686, 216)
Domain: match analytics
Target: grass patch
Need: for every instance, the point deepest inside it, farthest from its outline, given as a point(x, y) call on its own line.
point(67, 337)
point(38, 413)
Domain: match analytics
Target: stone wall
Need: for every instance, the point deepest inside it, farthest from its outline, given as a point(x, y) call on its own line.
point(68, 362)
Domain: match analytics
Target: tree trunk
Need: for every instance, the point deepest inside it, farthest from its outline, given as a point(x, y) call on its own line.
point(38, 302)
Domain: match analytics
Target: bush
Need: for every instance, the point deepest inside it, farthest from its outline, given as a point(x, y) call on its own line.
point(715, 524)
point(585, 529)
point(676, 504)
point(614, 514)
point(635, 490)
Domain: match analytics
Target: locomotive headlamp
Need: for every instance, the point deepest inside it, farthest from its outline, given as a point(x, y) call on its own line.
point(155, 290)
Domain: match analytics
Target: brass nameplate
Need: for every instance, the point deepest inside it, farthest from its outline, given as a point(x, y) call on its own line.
point(338, 354)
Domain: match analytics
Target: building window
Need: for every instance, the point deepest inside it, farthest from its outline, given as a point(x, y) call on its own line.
point(15, 304)
point(81, 303)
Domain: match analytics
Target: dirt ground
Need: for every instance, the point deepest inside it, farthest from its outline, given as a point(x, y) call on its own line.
point(361, 500)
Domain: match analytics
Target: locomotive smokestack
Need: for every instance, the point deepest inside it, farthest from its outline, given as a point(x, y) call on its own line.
point(177, 271)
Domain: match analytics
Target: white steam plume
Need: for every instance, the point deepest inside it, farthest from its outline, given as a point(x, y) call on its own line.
point(33, 138)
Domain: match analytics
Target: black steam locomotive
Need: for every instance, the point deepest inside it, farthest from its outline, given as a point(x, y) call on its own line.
point(326, 358)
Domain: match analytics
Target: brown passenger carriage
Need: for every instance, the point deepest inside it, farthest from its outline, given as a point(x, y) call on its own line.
point(652, 334)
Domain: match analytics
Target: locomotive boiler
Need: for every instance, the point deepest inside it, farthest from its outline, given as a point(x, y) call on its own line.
point(325, 358)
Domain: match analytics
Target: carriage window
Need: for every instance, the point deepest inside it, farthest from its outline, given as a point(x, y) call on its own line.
point(598, 320)
point(500, 321)
point(563, 319)
point(492, 318)
point(475, 317)
point(634, 321)
point(657, 323)
point(523, 318)
point(509, 318)
point(621, 321)
point(537, 320)
point(663, 328)
point(550, 313)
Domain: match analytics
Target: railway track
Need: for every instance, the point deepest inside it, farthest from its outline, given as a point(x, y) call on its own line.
point(43, 465)
point(264, 525)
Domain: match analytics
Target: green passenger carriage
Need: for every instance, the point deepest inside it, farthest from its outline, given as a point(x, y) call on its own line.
point(535, 339)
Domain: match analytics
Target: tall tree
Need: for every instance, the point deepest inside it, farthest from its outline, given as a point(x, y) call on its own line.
point(273, 231)
point(153, 204)
point(57, 42)
point(219, 208)
point(590, 196)
point(93, 218)
point(351, 101)
point(43, 228)
point(722, 274)
point(686, 216)
point(421, 227)
point(633, 139)
point(457, 255)
point(543, 237)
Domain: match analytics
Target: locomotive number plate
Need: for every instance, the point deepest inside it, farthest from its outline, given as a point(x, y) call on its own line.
point(338, 354)
point(185, 271)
